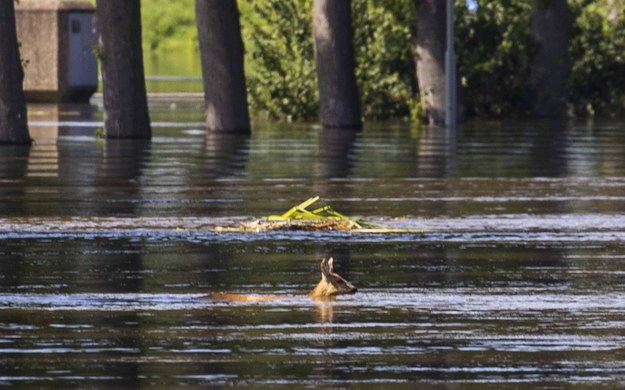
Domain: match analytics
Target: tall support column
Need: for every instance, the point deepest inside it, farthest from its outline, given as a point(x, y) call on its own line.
point(121, 56)
point(13, 122)
point(551, 30)
point(221, 50)
point(339, 101)
point(429, 45)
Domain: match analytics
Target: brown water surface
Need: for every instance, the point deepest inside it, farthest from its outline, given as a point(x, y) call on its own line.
point(516, 278)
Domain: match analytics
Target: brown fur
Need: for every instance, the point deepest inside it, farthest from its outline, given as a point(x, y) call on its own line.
point(330, 285)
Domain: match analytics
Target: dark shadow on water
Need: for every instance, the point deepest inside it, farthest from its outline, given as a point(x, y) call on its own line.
point(13, 161)
point(226, 154)
point(517, 276)
point(548, 154)
point(120, 172)
point(435, 154)
point(13, 171)
point(337, 152)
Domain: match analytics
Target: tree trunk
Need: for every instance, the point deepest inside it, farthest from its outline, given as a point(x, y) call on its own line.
point(551, 27)
point(339, 102)
point(125, 102)
point(221, 49)
point(430, 40)
point(13, 121)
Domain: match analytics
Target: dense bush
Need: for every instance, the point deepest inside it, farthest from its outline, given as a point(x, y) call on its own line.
point(385, 68)
point(598, 53)
point(281, 68)
point(168, 24)
point(495, 50)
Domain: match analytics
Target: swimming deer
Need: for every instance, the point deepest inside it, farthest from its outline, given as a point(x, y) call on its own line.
point(330, 285)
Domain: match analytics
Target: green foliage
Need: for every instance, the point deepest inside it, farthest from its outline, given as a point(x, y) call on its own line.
point(168, 24)
point(281, 67)
point(598, 54)
point(281, 79)
point(494, 46)
point(301, 211)
point(385, 68)
point(495, 51)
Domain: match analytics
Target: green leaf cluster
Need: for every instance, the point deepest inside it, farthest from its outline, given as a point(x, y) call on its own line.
point(280, 66)
point(301, 211)
point(598, 53)
point(168, 24)
point(385, 68)
point(495, 51)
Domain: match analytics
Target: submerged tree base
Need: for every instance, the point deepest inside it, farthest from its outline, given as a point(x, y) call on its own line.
point(299, 218)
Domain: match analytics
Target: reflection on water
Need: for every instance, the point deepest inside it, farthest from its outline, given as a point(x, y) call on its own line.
point(516, 278)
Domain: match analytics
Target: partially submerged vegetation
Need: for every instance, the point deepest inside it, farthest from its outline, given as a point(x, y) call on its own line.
point(299, 217)
point(300, 212)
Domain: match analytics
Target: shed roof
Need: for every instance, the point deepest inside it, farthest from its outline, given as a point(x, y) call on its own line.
point(53, 5)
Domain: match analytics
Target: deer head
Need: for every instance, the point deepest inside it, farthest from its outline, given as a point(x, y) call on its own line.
point(331, 283)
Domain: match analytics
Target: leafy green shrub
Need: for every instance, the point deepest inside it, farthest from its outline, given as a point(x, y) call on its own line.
point(168, 24)
point(598, 58)
point(280, 66)
point(385, 68)
point(495, 51)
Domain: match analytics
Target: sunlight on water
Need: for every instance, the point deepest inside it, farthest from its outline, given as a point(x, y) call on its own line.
point(513, 276)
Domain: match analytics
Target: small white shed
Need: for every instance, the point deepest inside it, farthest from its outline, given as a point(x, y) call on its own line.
point(57, 40)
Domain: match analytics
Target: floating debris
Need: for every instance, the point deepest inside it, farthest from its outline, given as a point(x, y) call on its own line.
point(300, 218)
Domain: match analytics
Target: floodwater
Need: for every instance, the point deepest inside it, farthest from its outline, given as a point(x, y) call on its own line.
point(516, 277)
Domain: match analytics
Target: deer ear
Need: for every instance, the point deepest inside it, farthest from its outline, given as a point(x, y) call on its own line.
point(330, 264)
point(324, 267)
